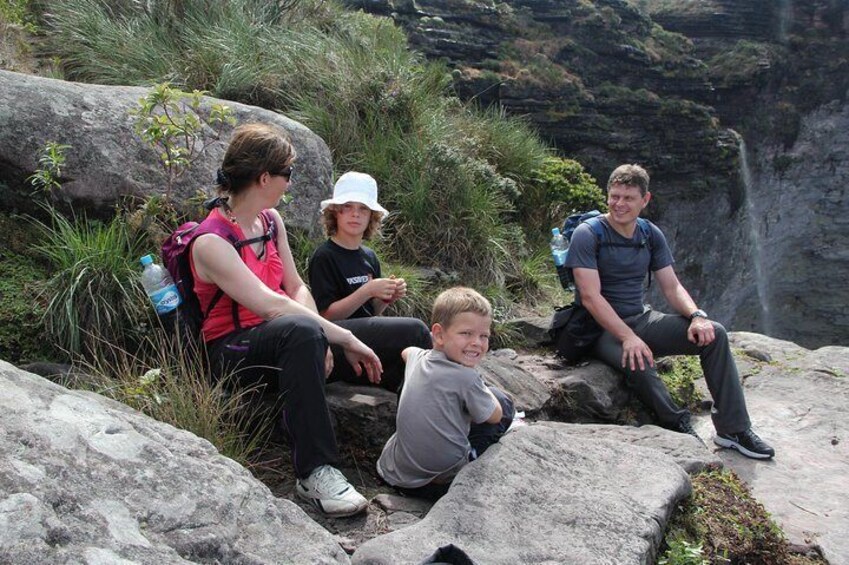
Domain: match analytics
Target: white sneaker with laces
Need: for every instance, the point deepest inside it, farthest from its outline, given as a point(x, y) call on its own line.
point(329, 491)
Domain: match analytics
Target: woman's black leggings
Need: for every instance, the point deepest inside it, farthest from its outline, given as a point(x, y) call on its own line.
point(287, 352)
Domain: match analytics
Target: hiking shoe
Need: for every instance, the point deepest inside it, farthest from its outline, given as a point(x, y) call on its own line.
point(329, 491)
point(746, 442)
point(685, 427)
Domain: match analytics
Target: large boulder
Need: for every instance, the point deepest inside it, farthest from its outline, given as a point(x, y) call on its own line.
point(545, 495)
point(107, 161)
point(84, 479)
point(798, 401)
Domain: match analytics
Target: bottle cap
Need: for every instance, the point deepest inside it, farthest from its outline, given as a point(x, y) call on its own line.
point(555, 231)
point(146, 260)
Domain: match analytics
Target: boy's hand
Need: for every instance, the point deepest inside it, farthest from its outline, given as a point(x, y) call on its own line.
point(382, 289)
point(400, 289)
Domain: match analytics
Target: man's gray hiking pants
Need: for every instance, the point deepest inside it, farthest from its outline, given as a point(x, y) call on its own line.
point(666, 334)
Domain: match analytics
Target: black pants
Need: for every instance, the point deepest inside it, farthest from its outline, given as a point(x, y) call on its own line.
point(288, 354)
point(388, 337)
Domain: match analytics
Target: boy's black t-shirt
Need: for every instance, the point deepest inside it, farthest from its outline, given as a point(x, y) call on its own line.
point(336, 272)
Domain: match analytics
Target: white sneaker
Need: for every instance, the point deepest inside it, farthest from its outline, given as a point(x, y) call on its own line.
point(329, 491)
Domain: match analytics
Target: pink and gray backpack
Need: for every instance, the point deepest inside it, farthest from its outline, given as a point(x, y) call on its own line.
point(175, 258)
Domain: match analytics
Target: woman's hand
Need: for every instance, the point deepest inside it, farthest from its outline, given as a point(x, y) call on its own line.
point(328, 363)
point(360, 356)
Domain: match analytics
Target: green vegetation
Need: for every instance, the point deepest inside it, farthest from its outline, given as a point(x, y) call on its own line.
point(562, 188)
point(452, 174)
point(17, 12)
point(22, 283)
point(679, 373)
point(168, 120)
point(167, 380)
point(722, 523)
point(46, 178)
point(94, 291)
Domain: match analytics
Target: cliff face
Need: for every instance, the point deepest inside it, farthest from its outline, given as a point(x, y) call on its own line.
point(666, 84)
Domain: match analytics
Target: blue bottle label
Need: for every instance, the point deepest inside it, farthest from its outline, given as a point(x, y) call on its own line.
point(165, 300)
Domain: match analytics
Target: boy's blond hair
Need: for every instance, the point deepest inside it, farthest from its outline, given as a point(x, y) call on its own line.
point(455, 301)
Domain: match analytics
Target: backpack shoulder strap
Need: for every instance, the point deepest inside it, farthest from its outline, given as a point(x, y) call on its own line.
point(645, 228)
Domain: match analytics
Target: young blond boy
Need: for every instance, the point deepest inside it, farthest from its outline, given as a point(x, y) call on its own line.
point(447, 416)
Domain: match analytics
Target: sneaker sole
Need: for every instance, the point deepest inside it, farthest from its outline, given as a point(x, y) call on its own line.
point(315, 502)
point(728, 444)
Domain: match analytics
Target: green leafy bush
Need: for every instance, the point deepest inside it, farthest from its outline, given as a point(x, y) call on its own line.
point(47, 178)
point(94, 291)
point(562, 188)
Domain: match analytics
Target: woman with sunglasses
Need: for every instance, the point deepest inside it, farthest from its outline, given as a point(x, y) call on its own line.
point(263, 321)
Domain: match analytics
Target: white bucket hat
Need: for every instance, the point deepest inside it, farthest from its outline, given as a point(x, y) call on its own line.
point(355, 187)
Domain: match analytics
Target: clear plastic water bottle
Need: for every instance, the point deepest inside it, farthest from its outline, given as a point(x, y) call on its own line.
point(559, 251)
point(160, 287)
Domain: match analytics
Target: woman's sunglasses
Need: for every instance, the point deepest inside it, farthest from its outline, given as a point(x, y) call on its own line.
point(285, 172)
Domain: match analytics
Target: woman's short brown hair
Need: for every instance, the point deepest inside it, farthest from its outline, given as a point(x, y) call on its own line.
point(254, 149)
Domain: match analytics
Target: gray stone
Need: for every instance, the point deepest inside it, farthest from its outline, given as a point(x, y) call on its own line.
point(797, 403)
point(544, 495)
point(528, 393)
point(395, 503)
point(84, 479)
point(107, 162)
point(363, 416)
point(686, 450)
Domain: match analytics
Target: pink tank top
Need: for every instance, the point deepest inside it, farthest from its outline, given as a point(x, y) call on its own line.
point(219, 322)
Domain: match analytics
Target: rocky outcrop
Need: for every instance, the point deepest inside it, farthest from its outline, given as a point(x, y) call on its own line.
point(107, 162)
point(502, 507)
point(84, 479)
point(797, 399)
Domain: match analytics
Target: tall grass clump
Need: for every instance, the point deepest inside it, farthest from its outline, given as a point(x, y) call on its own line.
point(169, 381)
point(94, 291)
point(455, 176)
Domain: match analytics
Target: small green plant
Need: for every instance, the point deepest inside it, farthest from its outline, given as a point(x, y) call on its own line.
point(682, 552)
point(169, 121)
point(47, 178)
point(679, 373)
point(94, 291)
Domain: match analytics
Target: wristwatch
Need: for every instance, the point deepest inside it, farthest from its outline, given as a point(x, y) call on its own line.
point(698, 314)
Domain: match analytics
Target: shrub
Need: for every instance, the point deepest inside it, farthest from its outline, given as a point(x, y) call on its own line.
point(47, 178)
point(561, 188)
point(94, 290)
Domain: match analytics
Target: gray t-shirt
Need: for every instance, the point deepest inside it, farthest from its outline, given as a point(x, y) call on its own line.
point(622, 270)
point(438, 403)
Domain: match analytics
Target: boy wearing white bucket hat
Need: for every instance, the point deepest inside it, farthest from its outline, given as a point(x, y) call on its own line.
point(347, 284)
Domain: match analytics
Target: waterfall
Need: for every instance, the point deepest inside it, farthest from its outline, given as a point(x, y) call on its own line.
point(754, 238)
point(785, 11)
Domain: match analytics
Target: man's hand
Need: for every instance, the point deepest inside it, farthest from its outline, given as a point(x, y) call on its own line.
point(635, 353)
point(701, 332)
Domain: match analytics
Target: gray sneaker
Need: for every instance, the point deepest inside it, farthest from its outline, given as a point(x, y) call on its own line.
point(329, 491)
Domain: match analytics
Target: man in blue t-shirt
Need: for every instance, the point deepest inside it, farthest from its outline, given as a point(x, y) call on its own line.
point(609, 281)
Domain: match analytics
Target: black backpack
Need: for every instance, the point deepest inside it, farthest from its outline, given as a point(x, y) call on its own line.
point(593, 219)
